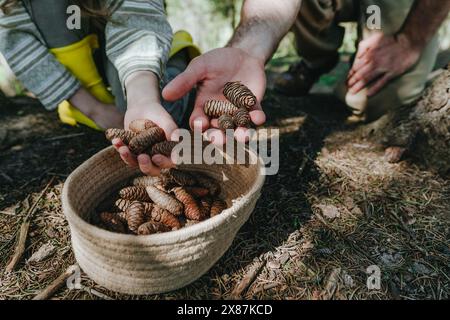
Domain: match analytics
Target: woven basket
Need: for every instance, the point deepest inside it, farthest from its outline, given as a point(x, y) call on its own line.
point(160, 262)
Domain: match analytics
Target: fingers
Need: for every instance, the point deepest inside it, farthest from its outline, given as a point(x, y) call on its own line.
point(146, 165)
point(162, 161)
point(117, 143)
point(127, 156)
point(361, 78)
point(378, 85)
point(185, 81)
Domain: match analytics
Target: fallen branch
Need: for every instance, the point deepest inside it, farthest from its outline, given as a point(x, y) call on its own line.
point(23, 233)
point(56, 284)
point(247, 280)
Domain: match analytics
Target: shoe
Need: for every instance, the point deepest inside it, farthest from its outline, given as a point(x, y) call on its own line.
point(300, 78)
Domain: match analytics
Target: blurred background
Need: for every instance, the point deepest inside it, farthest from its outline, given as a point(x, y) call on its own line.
point(211, 24)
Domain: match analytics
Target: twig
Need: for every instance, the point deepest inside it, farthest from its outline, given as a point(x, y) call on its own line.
point(23, 233)
point(247, 280)
point(55, 285)
point(67, 136)
point(265, 287)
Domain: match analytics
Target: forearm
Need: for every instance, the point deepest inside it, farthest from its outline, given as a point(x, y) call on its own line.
point(84, 101)
point(424, 20)
point(142, 89)
point(263, 24)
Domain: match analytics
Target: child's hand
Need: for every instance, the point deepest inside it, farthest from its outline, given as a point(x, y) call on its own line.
point(158, 115)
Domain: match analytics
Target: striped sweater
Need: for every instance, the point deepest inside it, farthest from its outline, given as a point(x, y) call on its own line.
point(138, 38)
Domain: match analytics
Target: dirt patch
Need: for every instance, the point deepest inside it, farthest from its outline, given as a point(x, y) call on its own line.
point(335, 208)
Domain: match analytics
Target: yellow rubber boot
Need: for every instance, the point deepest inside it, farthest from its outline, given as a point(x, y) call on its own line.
point(78, 59)
point(183, 40)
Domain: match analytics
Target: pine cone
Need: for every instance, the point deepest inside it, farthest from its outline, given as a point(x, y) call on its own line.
point(124, 135)
point(226, 122)
point(216, 108)
point(135, 215)
point(165, 148)
point(209, 183)
point(112, 222)
point(140, 125)
point(165, 201)
point(177, 177)
point(134, 194)
point(197, 192)
point(165, 217)
point(242, 118)
point(152, 227)
point(123, 205)
point(206, 206)
point(146, 181)
point(191, 208)
point(146, 139)
point(239, 95)
point(217, 207)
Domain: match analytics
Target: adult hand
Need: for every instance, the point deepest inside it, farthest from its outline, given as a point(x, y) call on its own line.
point(381, 58)
point(210, 72)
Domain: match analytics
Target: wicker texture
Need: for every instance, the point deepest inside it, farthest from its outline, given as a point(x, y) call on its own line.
point(160, 262)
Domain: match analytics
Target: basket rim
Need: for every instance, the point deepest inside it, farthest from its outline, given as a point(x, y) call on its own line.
point(161, 238)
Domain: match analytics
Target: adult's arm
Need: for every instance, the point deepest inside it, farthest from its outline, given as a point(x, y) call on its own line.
point(263, 24)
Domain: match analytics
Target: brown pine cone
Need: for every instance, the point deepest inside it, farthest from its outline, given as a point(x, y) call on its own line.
point(217, 207)
point(197, 192)
point(134, 194)
point(239, 95)
point(146, 139)
point(216, 108)
point(112, 222)
point(177, 177)
point(124, 135)
point(206, 206)
point(135, 215)
point(226, 122)
point(123, 205)
point(140, 125)
point(242, 118)
point(209, 183)
point(191, 208)
point(165, 217)
point(165, 200)
point(146, 181)
point(165, 148)
point(152, 227)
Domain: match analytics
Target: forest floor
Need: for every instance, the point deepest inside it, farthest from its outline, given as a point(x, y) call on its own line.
point(335, 208)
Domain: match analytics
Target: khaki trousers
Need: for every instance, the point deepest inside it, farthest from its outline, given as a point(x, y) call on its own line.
point(319, 36)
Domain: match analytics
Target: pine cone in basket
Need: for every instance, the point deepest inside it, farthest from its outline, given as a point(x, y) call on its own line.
point(216, 108)
point(191, 208)
point(152, 227)
point(134, 193)
point(112, 222)
point(209, 183)
point(137, 126)
point(165, 200)
point(163, 216)
point(146, 139)
point(135, 214)
point(124, 135)
point(123, 204)
point(197, 192)
point(147, 181)
point(239, 95)
point(177, 177)
point(206, 203)
point(217, 207)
